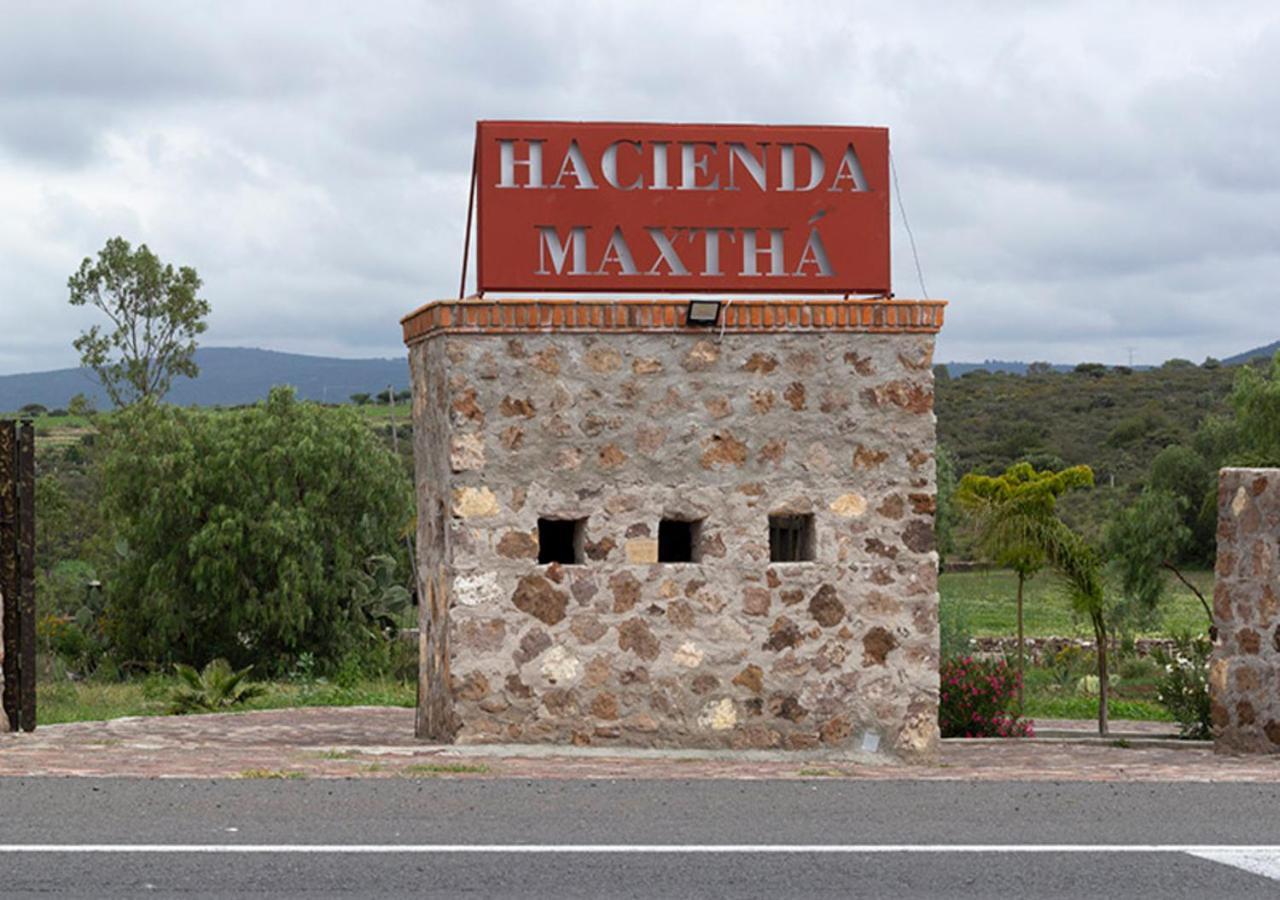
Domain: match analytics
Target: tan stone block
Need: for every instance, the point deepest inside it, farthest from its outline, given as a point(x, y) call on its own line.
point(849, 506)
point(466, 452)
point(642, 551)
point(474, 503)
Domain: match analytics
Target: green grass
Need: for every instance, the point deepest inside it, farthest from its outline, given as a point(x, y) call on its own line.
point(986, 604)
point(433, 769)
point(80, 701)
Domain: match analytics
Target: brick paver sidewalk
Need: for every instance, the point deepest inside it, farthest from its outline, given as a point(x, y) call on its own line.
point(378, 742)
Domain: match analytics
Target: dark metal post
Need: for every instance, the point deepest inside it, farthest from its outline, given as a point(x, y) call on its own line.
point(9, 571)
point(27, 574)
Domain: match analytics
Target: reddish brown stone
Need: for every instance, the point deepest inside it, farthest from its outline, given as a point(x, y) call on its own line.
point(917, 458)
point(861, 364)
point(705, 683)
point(825, 607)
point(514, 406)
point(787, 707)
point(474, 687)
point(774, 451)
point(1247, 680)
point(794, 395)
point(792, 597)
point(517, 545)
point(638, 675)
point(835, 730)
point(833, 401)
point(908, 395)
point(755, 601)
point(1272, 730)
point(465, 406)
point(864, 458)
point(604, 706)
point(723, 450)
point(701, 356)
point(536, 597)
point(751, 678)
point(919, 536)
point(583, 589)
point(1244, 713)
point(877, 644)
point(760, 364)
point(772, 578)
point(636, 636)
point(598, 550)
point(783, 634)
point(1249, 640)
point(1218, 715)
point(762, 400)
point(756, 737)
point(711, 545)
point(680, 615)
point(518, 688)
point(611, 456)
point(1259, 485)
point(924, 504)
point(560, 701)
point(626, 591)
point(802, 740)
point(547, 360)
point(921, 363)
point(587, 628)
point(646, 366)
point(603, 360)
point(880, 548)
point(531, 645)
point(512, 437)
point(580, 739)
point(718, 407)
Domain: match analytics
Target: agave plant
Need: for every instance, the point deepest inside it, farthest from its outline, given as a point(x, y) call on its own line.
point(217, 687)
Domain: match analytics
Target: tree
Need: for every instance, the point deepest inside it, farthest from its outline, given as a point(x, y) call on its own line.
point(155, 317)
point(361, 399)
point(1255, 399)
point(1184, 473)
point(944, 513)
point(1010, 510)
point(243, 534)
point(1142, 542)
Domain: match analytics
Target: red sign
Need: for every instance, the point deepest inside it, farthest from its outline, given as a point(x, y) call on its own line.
point(571, 206)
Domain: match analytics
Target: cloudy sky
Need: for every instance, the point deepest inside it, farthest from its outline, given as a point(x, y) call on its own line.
point(1081, 178)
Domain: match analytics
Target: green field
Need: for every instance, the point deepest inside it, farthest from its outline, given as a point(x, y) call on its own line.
point(984, 602)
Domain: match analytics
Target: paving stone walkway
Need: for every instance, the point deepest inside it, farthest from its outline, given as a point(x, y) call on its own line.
point(378, 742)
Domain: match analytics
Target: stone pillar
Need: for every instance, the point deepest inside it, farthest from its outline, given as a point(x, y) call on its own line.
point(1244, 676)
point(598, 421)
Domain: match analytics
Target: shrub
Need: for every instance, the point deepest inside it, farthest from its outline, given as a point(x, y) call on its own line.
point(1183, 687)
point(241, 534)
point(975, 697)
point(218, 687)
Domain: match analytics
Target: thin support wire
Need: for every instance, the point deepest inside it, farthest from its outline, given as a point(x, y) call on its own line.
point(893, 169)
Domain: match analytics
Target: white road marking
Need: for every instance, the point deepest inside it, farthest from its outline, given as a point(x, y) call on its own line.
point(1242, 856)
point(1266, 864)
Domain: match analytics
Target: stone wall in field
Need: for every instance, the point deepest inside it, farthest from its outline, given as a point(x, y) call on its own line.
point(1244, 676)
point(621, 427)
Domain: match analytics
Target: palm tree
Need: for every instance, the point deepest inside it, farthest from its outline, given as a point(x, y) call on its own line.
point(1011, 510)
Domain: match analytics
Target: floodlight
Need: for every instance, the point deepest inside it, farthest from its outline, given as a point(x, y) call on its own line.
point(703, 312)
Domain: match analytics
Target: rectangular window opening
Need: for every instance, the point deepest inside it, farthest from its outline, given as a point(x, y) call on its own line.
point(678, 541)
point(560, 541)
point(791, 538)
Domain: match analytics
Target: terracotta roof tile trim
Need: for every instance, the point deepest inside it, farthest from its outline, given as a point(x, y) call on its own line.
point(668, 315)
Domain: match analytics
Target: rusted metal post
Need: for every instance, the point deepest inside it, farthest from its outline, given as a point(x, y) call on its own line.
point(9, 572)
point(27, 574)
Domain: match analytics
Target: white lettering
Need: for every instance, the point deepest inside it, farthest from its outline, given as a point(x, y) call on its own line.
point(815, 253)
point(619, 253)
point(666, 254)
point(750, 251)
point(850, 169)
point(575, 166)
point(507, 158)
point(755, 166)
point(660, 182)
point(609, 166)
point(817, 168)
point(549, 243)
point(691, 164)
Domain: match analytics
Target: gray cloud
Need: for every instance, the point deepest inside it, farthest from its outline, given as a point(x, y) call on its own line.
point(1080, 180)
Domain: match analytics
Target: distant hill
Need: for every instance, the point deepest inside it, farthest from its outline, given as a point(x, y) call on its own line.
point(228, 376)
point(1011, 367)
point(1241, 358)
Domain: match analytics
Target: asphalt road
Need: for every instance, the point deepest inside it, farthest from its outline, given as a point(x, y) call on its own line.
point(279, 827)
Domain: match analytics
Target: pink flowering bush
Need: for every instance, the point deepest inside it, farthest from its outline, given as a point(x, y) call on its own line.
point(975, 699)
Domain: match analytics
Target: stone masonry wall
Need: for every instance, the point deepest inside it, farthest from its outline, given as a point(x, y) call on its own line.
point(1244, 676)
point(624, 429)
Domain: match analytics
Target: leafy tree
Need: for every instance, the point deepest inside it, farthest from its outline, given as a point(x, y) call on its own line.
point(80, 405)
point(1184, 473)
point(1142, 542)
point(944, 514)
point(239, 533)
point(361, 399)
point(155, 317)
point(1255, 400)
point(1010, 511)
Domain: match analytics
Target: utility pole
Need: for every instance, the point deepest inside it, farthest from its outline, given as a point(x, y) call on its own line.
point(391, 415)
